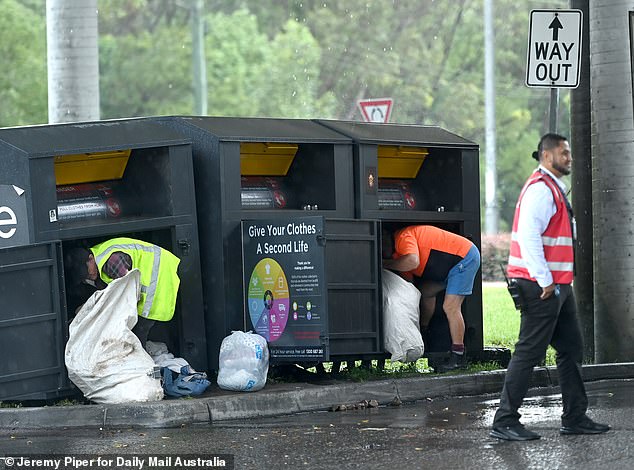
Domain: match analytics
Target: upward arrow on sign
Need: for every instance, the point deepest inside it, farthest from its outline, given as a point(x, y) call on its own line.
point(555, 25)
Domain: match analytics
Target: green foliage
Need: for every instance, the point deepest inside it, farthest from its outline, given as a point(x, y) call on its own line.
point(291, 87)
point(156, 82)
point(494, 256)
point(502, 322)
point(10, 404)
point(236, 53)
point(23, 86)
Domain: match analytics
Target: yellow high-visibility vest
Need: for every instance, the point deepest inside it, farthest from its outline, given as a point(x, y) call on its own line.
point(159, 278)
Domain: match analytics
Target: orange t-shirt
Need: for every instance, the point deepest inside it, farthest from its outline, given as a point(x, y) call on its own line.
point(437, 249)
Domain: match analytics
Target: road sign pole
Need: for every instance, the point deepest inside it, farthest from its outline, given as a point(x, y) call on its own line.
point(554, 110)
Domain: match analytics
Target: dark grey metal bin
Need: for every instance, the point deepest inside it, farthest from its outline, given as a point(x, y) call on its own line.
point(318, 182)
point(410, 174)
point(33, 328)
point(79, 184)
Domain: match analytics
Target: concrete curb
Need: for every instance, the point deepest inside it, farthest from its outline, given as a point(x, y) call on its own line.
point(279, 399)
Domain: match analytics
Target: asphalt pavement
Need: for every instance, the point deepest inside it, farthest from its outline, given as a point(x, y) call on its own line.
point(277, 399)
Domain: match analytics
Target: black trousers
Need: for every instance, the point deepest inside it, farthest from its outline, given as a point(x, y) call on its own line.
point(552, 321)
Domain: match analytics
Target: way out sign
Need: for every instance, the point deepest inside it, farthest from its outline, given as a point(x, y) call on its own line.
point(376, 110)
point(554, 48)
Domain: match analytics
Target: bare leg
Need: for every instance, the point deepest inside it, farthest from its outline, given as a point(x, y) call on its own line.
point(452, 308)
point(428, 290)
point(427, 307)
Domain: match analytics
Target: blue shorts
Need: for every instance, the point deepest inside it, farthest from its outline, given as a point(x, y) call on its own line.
point(460, 278)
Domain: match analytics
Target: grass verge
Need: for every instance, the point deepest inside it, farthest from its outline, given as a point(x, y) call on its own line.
point(501, 322)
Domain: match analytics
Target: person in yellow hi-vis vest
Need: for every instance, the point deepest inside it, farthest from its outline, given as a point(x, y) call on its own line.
point(113, 258)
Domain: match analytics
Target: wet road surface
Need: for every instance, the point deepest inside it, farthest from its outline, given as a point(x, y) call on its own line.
point(438, 434)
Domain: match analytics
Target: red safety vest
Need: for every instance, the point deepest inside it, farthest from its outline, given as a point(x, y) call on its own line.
point(557, 238)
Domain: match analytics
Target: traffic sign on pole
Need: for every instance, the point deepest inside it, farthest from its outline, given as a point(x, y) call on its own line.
point(376, 110)
point(554, 48)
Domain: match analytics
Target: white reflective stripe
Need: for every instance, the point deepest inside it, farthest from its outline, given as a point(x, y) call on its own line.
point(548, 241)
point(560, 266)
point(552, 265)
point(515, 261)
point(557, 241)
point(150, 290)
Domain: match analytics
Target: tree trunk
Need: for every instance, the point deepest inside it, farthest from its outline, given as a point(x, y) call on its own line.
point(612, 175)
point(73, 60)
point(580, 120)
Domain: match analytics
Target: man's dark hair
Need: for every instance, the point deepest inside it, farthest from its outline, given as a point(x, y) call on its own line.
point(75, 265)
point(547, 142)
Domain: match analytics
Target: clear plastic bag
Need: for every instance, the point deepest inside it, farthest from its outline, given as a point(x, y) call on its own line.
point(243, 362)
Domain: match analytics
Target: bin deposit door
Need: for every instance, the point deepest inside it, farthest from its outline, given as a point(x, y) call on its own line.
point(285, 291)
point(32, 323)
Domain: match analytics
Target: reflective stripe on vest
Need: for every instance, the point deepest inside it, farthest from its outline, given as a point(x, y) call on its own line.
point(552, 265)
point(549, 241)
point(149, 290)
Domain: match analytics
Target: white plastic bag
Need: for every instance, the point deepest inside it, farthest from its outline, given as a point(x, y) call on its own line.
point(103, 357)
point(243, 362)
point(401, 310)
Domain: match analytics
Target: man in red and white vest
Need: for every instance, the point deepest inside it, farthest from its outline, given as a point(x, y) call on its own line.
point(541, 263)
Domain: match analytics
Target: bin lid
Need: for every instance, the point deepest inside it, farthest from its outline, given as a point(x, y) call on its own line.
point(398, 134)
point(266, 130)
point(85, 137)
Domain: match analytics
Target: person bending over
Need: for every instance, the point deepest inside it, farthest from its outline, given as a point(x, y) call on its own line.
point(436, 260)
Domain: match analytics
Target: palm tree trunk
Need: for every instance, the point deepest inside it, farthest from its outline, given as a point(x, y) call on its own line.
point(612, 174)
point(73, 60)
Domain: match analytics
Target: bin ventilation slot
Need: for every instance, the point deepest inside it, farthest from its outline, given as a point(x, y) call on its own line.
point(266, 159)
point(90, 167)
point(400, 161)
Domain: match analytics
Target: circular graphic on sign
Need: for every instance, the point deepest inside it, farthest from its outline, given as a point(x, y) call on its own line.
point(268, 299)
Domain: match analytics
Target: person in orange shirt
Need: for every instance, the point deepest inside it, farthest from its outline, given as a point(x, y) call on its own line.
point(436, 260)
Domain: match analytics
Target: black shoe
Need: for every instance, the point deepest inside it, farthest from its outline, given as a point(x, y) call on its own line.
point(585, 426)
point(516, 432)
point(455, 362)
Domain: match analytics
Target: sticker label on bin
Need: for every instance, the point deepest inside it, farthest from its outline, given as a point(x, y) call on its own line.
point(14, 227)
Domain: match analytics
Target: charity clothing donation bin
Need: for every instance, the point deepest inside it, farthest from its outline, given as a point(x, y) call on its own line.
point(70, 185)
point(311, 287)
point(421, 175)
point(264, 173)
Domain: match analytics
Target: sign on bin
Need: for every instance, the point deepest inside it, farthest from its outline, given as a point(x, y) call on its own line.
point(284, 286)
point(14, 228)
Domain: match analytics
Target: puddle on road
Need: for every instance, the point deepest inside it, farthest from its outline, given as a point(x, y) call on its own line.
point(447, 413)
point(461, 412)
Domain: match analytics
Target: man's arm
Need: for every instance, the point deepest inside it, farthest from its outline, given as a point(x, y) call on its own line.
point(538, 208)
point(404, 263)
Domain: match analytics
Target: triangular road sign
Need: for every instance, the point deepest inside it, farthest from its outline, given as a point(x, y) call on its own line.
point(376, 110)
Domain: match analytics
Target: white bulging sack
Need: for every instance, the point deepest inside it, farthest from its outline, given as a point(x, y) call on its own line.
point(105, 360)
point(401, 311)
